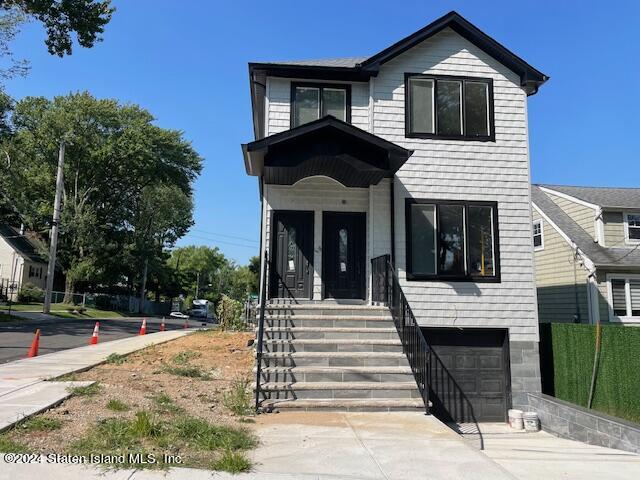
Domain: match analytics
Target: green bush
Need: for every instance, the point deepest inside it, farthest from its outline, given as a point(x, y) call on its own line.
point(103, 302)
point(229, 312)
point(30, 293)
point(617, 390)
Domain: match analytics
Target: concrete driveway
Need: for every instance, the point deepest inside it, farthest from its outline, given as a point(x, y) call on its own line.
point(367, 446)
point(532, 456)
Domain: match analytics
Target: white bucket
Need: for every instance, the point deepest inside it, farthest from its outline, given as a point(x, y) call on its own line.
point(515, 419)
point(531, 422)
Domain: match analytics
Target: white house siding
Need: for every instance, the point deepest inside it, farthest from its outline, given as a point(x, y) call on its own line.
point(461, 170)
point(320, 194)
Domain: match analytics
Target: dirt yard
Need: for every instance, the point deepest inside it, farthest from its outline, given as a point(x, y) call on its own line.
point(189, 397)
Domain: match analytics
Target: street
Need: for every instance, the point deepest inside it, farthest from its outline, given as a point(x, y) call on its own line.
point(61, 333)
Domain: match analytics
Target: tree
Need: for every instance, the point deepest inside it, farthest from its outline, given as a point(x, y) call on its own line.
point(127, 190)
point(63, 19)
point(10, 21)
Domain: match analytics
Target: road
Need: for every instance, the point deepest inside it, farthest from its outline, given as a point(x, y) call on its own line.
point(61, 333)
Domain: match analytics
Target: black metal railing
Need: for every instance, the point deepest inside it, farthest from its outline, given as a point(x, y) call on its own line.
point(386, 288)
point(432, 377)
point(263, 301)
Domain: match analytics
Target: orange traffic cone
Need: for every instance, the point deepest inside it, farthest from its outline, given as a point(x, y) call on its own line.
point(162, 327)
point(33, 351)
point(94, 337)
point(143, 328)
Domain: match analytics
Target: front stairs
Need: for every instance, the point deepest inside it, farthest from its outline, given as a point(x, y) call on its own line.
point(336, 357)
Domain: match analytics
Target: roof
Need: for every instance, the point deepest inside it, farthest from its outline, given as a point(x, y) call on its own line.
point(20, 243)
point(599, 255)
point(605, 197)
point(328, 147)
point(362, 68)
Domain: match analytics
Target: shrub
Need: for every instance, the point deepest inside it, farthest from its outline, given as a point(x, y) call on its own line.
point(30, 293)
point(238, 398)
point(103, 302)
point(229, 312)
point(232, 462)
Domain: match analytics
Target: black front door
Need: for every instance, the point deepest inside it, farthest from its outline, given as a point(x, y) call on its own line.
point(343, 254)
point(292, 255)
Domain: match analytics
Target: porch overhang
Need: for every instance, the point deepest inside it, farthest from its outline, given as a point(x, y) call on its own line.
point(327, 147)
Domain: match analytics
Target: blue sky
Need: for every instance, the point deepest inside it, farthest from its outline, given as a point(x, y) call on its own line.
point(186, 62)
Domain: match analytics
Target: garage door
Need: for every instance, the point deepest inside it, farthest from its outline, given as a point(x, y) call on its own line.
point(469, 374)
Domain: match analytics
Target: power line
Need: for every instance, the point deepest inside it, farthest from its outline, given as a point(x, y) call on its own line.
point(225, 235)
point(253, 247)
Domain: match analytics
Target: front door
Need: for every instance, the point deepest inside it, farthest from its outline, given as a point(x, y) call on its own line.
point(292, 255)
point(343, 254)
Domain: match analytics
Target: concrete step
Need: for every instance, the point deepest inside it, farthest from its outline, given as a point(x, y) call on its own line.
point(336, 374)
point(334, 321)
point(334, 359)
point(363, 333)
point(320, 309)
point(339, 390)
point(332, 345)
point(342, 405)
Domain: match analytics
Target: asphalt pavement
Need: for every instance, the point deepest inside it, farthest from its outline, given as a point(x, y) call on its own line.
point(58, 334)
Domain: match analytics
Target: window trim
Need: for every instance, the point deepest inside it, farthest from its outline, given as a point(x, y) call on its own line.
point(463, 79)
point(625, 219)
point(627, 293)
point(496, 278)
point(541, 246)
point(320, 86)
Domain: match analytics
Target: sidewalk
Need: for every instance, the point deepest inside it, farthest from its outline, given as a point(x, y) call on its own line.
point(24, 391)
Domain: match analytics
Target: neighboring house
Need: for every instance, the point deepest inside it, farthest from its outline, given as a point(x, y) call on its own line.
point(587, 250)
point(419, 152)
point(20, 263)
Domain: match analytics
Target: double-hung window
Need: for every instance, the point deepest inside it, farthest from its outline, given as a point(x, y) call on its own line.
point(311, 101)
point(458, 108)
point(632, 227)
point(452, 240)
point(538, 235)
point(624, 297)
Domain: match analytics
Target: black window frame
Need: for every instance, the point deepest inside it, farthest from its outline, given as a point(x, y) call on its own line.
point(321, 86)
point(495, 278)
point(464, 80)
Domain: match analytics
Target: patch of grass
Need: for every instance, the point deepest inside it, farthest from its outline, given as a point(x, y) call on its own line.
point(144, 425)
point(185, 356)
point(67, 377)
point(116, 405)
point(232, 462)
point(86, 391)
point(238, 398)
point(11, 446)
point(39, 424)
point(189, 371)
point(165, 403)
point(116, 359)
point(212, 437)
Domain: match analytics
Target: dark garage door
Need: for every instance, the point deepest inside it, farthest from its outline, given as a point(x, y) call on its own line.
point(470, 374)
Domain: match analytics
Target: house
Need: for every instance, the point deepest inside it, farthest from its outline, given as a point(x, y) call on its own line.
point(396, 227)
point(587, 253)
point(20, 262)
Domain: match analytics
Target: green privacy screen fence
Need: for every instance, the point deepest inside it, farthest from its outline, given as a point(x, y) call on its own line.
point(566, 355)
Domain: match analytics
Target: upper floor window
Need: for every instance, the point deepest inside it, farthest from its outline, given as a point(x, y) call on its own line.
point(452, 240)
point(632, 227)
point(538, 235)
point(311, 101)
point(624, 297)
point(455, 108)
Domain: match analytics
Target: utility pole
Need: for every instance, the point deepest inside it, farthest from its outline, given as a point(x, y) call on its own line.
point(143, 289)
point(197, 283)
point(54, 230)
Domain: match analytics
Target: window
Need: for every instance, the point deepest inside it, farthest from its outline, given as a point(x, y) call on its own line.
point(632, 227)
point(292, 248)
point(343, 243)
point(452, 240)
point(538, 236)
point(310, 102)
point(457, 108)
point(624, 297)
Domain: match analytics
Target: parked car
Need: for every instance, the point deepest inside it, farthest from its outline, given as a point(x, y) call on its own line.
point(178, 315)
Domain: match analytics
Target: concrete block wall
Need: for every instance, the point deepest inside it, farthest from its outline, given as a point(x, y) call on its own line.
point(571, 421)
point(525, 372)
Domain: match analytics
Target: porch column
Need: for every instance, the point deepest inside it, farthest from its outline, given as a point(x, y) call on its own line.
point(316, 293)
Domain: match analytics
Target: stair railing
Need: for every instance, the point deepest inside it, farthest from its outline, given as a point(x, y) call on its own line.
point(263, 301)
point(386, 289)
